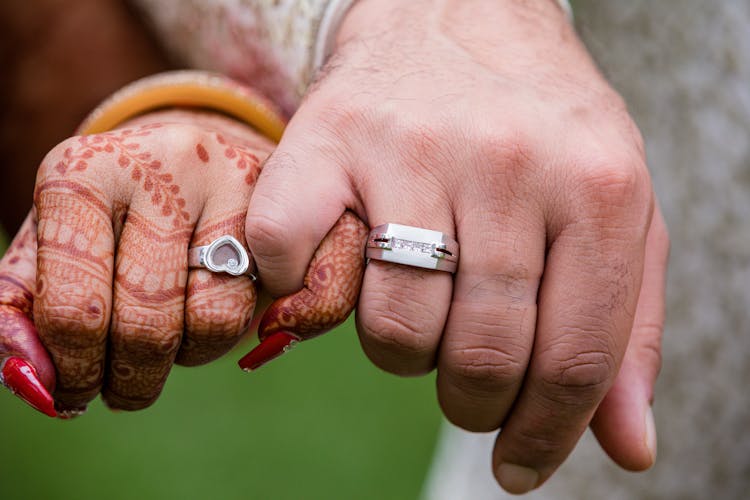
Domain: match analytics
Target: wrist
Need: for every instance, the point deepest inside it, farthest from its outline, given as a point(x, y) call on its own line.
point(199, 118)
point(186, 89)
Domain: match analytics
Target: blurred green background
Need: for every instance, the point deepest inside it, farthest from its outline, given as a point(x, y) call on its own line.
point(319, 423)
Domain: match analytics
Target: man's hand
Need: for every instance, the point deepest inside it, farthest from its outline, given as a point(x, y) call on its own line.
point(488, 121)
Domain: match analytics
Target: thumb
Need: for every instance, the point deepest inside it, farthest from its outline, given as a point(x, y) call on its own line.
point(330, 292)
point(300, 195)
point(25, 366)
point(624, 422)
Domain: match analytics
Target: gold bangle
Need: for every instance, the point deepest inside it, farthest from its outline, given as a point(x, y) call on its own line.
point(186, 88)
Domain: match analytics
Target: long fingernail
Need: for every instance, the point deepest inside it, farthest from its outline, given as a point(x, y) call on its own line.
point(516, 479)
point(651, 433)
point(272, 347)
point(22, 380)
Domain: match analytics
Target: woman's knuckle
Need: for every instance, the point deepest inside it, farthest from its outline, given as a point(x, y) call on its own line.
point(180, 138)
point(217, 315)
point(79, 322)
point(146, 321)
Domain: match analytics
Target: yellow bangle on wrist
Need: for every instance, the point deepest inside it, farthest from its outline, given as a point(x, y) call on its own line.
point(186, 88)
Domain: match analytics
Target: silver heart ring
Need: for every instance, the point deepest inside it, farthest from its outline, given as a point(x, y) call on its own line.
point(223, 255)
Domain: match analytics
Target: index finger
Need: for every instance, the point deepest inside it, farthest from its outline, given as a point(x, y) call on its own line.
point(25, 366)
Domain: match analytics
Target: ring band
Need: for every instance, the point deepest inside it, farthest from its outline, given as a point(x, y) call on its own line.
point(223, 255)
point(413, 246)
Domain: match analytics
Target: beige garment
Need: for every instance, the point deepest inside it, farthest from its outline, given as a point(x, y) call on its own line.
point(268, 44)
point(684, 69)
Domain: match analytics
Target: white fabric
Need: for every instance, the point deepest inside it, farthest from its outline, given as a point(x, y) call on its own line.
point(268, 44)
point(329, 26)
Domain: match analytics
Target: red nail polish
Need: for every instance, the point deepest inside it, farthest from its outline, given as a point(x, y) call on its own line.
point(22, 380)
point(270, 348)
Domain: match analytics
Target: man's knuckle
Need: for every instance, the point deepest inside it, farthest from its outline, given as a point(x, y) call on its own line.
point(267, 235)
point(613, 184)
point(544, 442)
point(352, 116)
point(394, 315)
point(399, 333)
point(487, 368)
point(512, 149)
point(578, 375)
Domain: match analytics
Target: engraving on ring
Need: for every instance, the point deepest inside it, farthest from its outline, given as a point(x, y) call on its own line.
point(413, 246)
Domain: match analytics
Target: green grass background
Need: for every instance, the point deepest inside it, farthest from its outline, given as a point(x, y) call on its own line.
point(318, 423)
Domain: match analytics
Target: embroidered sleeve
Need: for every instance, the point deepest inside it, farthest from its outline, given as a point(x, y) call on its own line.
point(269, 44)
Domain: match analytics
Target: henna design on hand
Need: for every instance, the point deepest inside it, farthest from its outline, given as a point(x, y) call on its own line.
point(200, 150)
point(73, 290)
point(147, 317)
point(244, 159)
point(164, 192)
point(86, 212)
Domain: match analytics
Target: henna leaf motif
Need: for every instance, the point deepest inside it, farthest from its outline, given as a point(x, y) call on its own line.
point(124, 144)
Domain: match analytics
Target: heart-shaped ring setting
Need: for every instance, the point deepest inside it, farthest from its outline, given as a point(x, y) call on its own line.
point(223, 255)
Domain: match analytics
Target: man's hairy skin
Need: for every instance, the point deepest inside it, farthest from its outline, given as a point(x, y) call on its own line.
point(488, 121)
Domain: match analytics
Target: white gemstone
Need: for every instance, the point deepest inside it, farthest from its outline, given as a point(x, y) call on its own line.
point(232, 263)
point(412, 246)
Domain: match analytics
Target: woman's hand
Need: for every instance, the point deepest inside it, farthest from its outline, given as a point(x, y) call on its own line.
point(102, 262)
point(489, 122)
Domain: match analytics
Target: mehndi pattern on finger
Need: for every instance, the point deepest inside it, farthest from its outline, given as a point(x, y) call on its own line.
point(218, 307)
point(19, 342)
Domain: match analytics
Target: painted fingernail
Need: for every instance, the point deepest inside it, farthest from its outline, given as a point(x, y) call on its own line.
point(651, 433)
point(22, 380)
point(516, 479)
point(270, 348)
